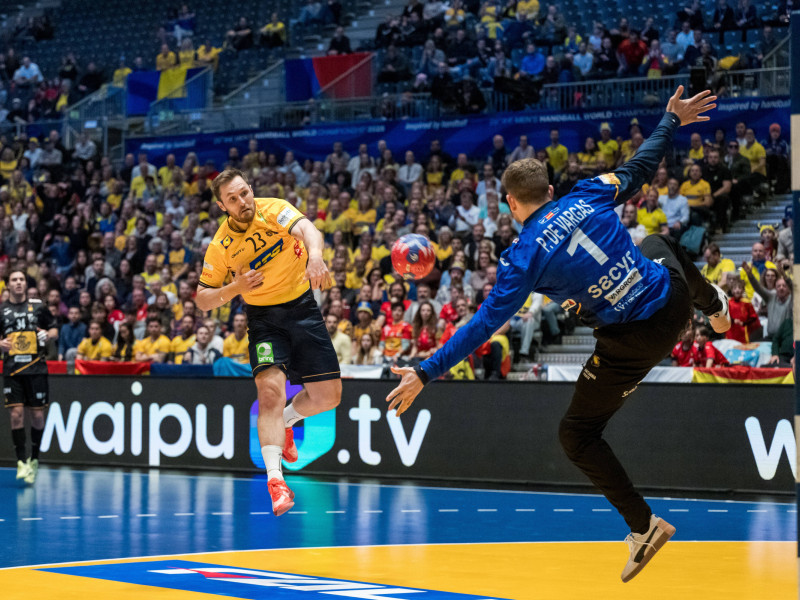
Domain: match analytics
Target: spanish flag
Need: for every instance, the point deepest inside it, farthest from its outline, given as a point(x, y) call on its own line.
point(741, 374)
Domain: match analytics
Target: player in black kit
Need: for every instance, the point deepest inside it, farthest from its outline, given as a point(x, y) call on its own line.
point(27, 325)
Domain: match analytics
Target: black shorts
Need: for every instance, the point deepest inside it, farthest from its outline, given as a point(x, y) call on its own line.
point(26, 390)
point(293, 336)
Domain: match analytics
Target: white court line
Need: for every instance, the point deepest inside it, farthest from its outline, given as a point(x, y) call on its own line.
point(563, 510)
point(221, 514)
point(373, 512)
point(184, 514)
point(108, 516)
point(448, 510)
point(718, 510)
point(335, 512)
point(757, 511)
point(69, 518)
point(261, 513)
point(791, 511)
point(32, 518)
point(487, 510)
point(678, 510)
point(601, 510)
point(147, 515)
point(524, 510)
point(416, 510)
point(298, 512)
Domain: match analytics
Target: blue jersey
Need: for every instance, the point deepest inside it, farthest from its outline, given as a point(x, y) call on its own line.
point(577, 252)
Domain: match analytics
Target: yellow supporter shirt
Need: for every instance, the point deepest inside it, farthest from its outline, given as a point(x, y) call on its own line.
point(695, 192)
point(148, 279)
point(95, 350)
point(138, 186)
point(209, 55)
point(237, 350)
point(652, 221)
point(119, 77)
point(725, 265)
point(754, 154)
point(557, 156)
point(662, 191)
point(7, 168)
point(268, 246)
point(278, 29)
point(200, 216)
point(186, 58)
point(362, 221)
point(165, 62)
point(748, 287)
point(165, 175)
point(530, 8)
point(177, 258)
point(457, 175)
point(148, 346)
point(115, 200)
point(609, 150)
point(179, 346)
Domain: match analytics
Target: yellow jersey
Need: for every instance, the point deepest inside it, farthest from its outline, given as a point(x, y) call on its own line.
point(652, 221)
point(558, 155)
point(267, 246)
point(725, 265)
point(149, 346)
point(95, 350)
point(237, 350)
point(609, 151)
point(754, 154)
point(695, 192)
point(179, 346)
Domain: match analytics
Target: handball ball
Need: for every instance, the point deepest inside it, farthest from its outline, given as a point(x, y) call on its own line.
point(413, 256)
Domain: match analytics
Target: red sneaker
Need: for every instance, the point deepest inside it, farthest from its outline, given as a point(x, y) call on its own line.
point(289, 447)
point(282, 496)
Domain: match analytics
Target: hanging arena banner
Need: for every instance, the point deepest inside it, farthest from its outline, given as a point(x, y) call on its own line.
point(471, 135)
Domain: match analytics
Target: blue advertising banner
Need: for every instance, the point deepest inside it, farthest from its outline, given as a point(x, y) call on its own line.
point(472, 135)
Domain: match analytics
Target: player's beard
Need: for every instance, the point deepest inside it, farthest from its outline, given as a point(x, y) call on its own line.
point(244, 218)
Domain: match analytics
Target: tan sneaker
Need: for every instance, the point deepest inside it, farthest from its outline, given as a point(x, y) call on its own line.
point(721, 321)
point(643, 546)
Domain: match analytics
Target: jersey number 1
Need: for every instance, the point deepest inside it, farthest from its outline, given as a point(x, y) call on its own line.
point(581, 239)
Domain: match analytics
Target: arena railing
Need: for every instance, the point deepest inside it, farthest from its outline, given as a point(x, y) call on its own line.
point(611, 93)
point(268, 87)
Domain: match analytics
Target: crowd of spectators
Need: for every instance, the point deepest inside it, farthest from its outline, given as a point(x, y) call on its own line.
point(453, 50)
point(122, 246)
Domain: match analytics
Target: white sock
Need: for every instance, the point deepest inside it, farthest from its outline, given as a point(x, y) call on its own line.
point(291, 417)
point(272, 459)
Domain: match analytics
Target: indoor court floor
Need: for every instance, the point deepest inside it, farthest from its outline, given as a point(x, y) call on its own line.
point(112, 533)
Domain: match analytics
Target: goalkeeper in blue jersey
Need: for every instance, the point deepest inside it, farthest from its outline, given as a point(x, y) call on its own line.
point(576, 251)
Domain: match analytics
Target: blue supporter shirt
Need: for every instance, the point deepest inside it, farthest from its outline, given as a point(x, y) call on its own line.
point(577, 252)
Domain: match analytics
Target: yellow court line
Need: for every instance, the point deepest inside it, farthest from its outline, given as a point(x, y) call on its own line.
point(522, 571)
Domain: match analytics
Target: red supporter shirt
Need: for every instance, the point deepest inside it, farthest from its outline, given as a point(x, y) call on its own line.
point(686, 357)
point(744, 312)
point(425, 340)
point(393, 335)
point(634, 53)
point(707, 351)
point(448, 313)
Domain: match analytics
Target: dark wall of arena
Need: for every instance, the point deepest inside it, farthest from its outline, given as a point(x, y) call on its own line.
point(472, 135)
point(711, 437)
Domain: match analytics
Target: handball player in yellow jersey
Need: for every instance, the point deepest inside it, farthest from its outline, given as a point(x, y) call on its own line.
point(274, 255)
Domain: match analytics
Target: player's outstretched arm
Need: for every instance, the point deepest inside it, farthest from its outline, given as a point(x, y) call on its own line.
point(641, 168)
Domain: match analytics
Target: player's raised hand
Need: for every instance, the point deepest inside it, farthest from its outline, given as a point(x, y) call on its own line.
point(248, 279)
point(689, 110)
point(406, 392)
point(317, 273)
point(5, 344)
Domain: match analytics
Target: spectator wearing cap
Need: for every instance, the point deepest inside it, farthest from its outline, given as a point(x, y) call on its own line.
point(777, 150)
point(608, 147)
point(785, 237)
point(365, 325)
point(455, 277)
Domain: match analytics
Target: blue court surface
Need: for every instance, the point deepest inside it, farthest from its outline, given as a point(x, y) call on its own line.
point(95, 515)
